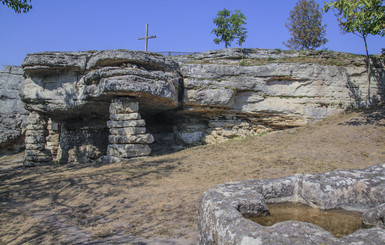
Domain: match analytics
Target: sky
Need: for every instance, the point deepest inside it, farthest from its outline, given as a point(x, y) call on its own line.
point(180, 26)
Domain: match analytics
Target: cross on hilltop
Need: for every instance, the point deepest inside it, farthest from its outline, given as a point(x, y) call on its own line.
point(146, 38)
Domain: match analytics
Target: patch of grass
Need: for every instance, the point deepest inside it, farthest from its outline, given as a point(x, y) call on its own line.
point(284, 78)
point(321, 57)
point(243, 63)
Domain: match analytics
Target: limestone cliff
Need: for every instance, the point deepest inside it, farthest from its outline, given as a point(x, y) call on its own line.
point(12, 113)
point(273, 88)
point(121, 103)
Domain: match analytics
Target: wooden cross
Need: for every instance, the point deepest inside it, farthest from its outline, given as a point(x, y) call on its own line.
point(146, 38)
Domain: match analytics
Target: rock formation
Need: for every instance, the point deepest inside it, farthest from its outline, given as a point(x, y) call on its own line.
point(94, 101)
point(12, 113)
point(121, 103)
point(220, 219)
point(270, 89)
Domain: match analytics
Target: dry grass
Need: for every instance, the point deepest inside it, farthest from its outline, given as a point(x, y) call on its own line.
point(158, 196)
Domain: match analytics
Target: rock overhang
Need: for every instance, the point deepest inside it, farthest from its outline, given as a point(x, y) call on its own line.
point(68, 84)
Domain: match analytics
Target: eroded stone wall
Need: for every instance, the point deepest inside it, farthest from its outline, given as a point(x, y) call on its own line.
point(82, 141)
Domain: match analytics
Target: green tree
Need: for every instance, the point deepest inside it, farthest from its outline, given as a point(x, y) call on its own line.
point(360, 17)
point(305, 26)
point(230, 26)
point(18, 5)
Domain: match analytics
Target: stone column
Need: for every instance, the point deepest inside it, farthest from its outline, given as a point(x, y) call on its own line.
point(35, 141)
point(128, 136)
point(53, 139)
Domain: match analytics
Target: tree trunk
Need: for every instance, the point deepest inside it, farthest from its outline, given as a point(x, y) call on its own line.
point(369, 70)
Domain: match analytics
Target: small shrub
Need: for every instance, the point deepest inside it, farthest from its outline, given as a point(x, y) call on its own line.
point(278, 50)
point(243, 63)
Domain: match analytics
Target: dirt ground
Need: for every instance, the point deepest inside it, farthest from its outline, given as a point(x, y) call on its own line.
point(157, 197)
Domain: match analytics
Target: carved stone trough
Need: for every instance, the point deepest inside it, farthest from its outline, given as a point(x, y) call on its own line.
point(221, 210)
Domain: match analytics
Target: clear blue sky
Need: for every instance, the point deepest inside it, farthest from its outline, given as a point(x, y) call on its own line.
point(77, 25)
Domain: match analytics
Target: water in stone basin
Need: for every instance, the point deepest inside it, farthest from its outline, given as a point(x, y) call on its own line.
point(339, 222)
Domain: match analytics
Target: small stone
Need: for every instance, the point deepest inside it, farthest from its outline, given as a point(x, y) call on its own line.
point(37, 159)
point(34, 139)
point(36, 127)
point(124, 124)
point(128, 130)
point(35, 118)
point(123, 106)
point(128, 150)
point(37, 152)
point(36, 133)
point(53, 138)
point(53, 144)
point(37, 146)
point(125, 117)
point(131, 139)
point(83, 154)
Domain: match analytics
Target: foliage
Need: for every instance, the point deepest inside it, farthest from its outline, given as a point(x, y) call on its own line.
point(305, 26)
point(360, 17)
point(230, 26)
point(18, 5)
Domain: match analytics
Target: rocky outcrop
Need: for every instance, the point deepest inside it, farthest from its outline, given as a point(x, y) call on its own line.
point(126, 102)
point(12, 113)
point(93, 98)
point(275, 89)
point(222, 209)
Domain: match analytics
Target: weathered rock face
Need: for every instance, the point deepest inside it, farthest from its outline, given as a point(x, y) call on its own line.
point(12, 113)
point(134, 100)
point(275, 89)
point(220, 219)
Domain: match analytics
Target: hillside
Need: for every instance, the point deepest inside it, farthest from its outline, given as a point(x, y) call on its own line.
point(157, 196)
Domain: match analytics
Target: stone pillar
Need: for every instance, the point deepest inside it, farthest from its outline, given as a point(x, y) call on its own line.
point(128, 136)
point(53, 139)
point(35, 141)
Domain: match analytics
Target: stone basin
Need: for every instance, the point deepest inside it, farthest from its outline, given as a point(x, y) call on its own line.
point(222, 209)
